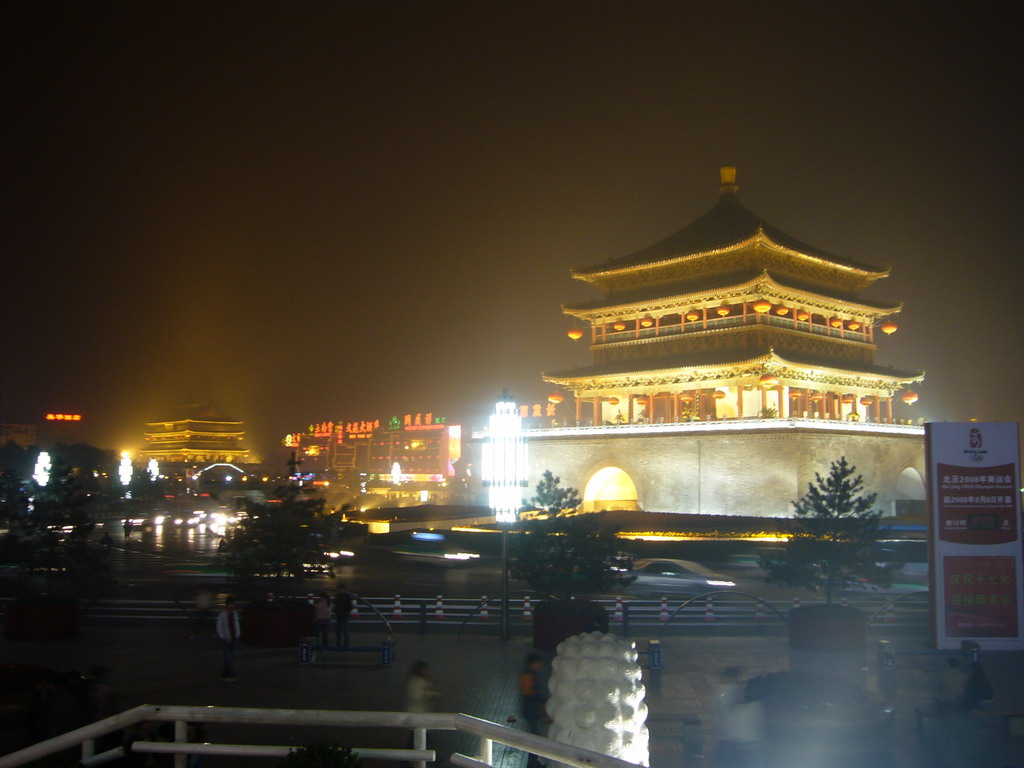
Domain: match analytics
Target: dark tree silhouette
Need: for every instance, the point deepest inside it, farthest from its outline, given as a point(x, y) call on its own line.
point(834, 541)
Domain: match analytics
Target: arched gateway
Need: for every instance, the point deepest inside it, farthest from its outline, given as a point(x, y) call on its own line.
point(610, 488)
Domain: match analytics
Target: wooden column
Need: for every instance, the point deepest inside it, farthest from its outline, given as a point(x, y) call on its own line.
point(597, 411)
point(579, 410)
point(629, 408)
point(675, 407)
point(764, 402)
point(699, 401)
point(781, 412)
point(888, 410)
point(739, 401)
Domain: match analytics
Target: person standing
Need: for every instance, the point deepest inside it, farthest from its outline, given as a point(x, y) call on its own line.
point(977, 690)
point(229, 629)
point(532, 699)
point(343, 602)
point(323, 618)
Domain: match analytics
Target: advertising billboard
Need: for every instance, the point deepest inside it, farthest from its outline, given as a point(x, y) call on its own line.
point(976, 550)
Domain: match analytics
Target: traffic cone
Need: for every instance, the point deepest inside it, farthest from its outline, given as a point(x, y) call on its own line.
point(664, 609)
point(527, 609)
point(759, 611)
point(618, 609)
point(484, 616)
point(309, 598)
point(709, 610)
point(355, 607)
point(270, 597)
point(397, 612)
point(439, 607)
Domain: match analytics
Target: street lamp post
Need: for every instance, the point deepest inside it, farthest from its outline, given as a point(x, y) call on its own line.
point(504, 476)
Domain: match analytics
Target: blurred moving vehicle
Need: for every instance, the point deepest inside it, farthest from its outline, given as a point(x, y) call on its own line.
point(432, 547)
point(675, 577)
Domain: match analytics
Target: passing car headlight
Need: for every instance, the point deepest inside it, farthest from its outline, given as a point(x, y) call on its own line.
point(460, 555)
point(714, 583)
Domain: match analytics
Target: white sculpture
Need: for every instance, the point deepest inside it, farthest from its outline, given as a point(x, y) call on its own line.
point(597, 697)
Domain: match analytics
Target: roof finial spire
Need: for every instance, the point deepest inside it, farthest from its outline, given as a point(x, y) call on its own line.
point(728, 175)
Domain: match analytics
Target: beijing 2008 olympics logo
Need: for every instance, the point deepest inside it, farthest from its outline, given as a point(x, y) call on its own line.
point(975, 440)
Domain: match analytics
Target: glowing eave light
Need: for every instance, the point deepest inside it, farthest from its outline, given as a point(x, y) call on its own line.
point(751, 425)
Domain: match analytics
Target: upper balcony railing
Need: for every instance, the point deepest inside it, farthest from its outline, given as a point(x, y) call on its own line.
point(610, 336)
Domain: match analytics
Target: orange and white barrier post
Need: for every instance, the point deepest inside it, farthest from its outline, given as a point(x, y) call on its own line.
point(439, 607)
point(355, 607)
point(796, 603)
point(759, 611)
point(484, 616)
point(527, 609)
point(270, 597)
point(709, 609)
point(664, 609)
point(397, 611)
point(618, 609)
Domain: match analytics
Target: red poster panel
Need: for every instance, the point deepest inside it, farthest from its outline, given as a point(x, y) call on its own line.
point(980, 596)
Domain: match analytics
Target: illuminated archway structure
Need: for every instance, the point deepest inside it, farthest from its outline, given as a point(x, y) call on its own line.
point(732, 362)
point(609, 488)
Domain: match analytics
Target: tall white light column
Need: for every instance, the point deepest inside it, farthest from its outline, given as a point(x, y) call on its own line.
point(504, 475)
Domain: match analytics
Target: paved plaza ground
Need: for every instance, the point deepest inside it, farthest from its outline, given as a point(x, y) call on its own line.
point(477, 675)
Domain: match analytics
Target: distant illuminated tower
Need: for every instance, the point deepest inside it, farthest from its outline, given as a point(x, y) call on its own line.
point(504, 460)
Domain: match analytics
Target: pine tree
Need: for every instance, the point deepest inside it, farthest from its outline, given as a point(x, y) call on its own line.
point(834, 539)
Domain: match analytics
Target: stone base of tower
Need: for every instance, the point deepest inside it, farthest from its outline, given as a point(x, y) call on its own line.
point(755, 469)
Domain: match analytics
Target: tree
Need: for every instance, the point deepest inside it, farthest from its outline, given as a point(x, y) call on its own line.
point(280, 537)
point(49, 527)
point(552, 497)
point(834, 539)
point(565, 553)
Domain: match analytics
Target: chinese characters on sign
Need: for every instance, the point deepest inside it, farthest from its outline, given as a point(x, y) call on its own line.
point(981, 596)
point(63, 417)
point(975, 534)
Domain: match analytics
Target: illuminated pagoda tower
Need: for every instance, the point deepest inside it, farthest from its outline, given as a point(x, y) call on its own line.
point(198, 434)
point(721, 338)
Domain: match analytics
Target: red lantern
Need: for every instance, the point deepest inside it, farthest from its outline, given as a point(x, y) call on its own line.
point(768, 381)
point(909, 397)
point(835, 322)
point(691, 315)
point(722, 311)
point(889, 328)
point(802, 315)
point(686, 398)
point(761, 306)
point(555, 398)
point(719, 395)
point(613, 401)
point(575, 334)
point(782, 311)
point(646, 322)
point(816, 396)
point(853, 325)
point(847, 398)
point(865, 401)
point(618, 325)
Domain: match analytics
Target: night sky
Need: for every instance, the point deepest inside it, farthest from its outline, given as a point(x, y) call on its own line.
point(338, 210)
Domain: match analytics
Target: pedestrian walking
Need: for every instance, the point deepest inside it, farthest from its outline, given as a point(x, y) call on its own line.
point(322, 607)
point(533, 696)
point(420, 695)
point(127, 527)
point(229, 629)
point(978, 690)
point(343, 602)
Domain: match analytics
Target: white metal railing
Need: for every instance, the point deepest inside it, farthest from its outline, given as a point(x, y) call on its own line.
point(439, 612)
point(487, 732)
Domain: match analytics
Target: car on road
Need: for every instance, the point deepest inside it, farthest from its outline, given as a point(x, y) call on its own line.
point(656, 577)
point(432, 547)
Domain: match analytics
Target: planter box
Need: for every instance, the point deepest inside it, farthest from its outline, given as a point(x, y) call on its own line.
point(555, 620)
point(276, 626)
point(44, 618)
